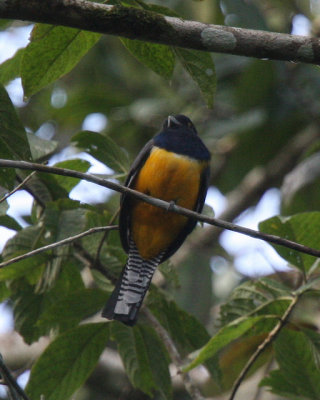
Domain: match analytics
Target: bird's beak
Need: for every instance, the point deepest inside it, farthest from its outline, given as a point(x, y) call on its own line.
point(172, 121)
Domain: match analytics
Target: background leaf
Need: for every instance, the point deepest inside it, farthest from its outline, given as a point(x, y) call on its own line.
point(13, 140)
point(201, 68)
point(104, 149)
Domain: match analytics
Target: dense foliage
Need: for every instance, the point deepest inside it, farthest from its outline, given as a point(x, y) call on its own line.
point(261, 121)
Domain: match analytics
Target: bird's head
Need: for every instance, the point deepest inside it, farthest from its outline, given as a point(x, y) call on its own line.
point(179, 121)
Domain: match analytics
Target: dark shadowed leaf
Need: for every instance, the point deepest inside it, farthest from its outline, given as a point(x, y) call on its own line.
point(201, 68)
point(298, 376)
point(72, 308)
point(13, 140)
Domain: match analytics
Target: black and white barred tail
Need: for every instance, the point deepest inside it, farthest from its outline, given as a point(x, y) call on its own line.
point(128, 294)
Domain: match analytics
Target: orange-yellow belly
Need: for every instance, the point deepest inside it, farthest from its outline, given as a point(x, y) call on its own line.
point(167, 176)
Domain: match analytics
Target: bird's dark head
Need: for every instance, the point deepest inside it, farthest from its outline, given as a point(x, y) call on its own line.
point(179, 121)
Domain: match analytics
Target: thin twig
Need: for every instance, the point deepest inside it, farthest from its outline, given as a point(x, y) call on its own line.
point(11, 382)
point(162, 204)
point(175, 356)
point(5, 197)
point(269, 339)
point(105, 235)
point(62, 242)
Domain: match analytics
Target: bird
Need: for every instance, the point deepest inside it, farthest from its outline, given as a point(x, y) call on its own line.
point(172, 166)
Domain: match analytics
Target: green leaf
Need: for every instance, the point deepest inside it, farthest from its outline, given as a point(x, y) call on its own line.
point(10, 69)
point(144, 357)
point(265, 296)
point(6, 220)
point(27, 306)
point(77, 165)
point(72, 308)
point(158, 57)
point(52, 52)
point(62, 221)
point(27, 267)
point(41, 148)
point(22, 242)
point(224, 337)
point(201, 68)
point(104, 149)
point(72, 357)
point(4, 291)
point(184, 329)
point(13, 140)
point(302, 228)
point(30, 306)
point(299, 375)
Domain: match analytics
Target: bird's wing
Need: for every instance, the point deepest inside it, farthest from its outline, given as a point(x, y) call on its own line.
point(124, 217)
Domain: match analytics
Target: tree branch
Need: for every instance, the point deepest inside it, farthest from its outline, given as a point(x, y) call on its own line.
point(174, 354)
point(62, 242)
point(18, 187)
point(10, 381)
point(148, 26)
point(269, 339)
point(170, 207)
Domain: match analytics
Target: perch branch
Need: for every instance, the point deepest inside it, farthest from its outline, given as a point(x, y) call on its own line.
point(161, 204)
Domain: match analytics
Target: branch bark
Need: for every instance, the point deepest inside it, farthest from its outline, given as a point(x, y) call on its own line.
point(170, 207)
point(148, 26)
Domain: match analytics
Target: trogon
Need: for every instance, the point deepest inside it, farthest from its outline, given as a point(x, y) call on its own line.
point(173, 166)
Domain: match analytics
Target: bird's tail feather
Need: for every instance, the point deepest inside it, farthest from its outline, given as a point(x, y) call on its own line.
point(126, 299)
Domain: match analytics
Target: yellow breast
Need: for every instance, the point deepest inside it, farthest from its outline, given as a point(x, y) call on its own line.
point(170, 177)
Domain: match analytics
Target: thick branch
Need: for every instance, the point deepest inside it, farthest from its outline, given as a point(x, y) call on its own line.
point(170, 207)
point(148, 26)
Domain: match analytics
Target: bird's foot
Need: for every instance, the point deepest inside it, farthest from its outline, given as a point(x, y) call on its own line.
point(171, 205)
